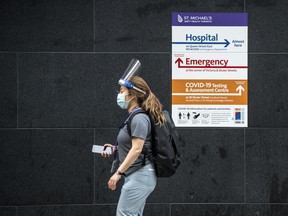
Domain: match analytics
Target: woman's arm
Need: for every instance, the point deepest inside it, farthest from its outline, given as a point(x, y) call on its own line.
point(133, 154)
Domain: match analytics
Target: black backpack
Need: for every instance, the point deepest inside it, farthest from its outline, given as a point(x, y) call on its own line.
point(165, 142)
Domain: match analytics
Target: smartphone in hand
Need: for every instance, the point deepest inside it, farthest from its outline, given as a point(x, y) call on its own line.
point(100, 149)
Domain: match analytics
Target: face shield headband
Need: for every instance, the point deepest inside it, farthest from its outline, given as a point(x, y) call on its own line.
point(133, 69)
point(130, 85)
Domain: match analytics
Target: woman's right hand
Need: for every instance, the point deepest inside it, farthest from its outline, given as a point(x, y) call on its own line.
point(105, 154)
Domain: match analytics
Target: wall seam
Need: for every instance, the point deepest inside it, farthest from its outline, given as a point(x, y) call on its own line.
point(245, 192)
point(220, 203)
point(94, 30)
point(17, 89)
point(115, 128)
point(59, 128)
point(119, 52)
point(94, 170)
point(92, 52)
point(170, 204)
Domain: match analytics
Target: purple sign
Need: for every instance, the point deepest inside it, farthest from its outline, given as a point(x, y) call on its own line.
point(209, 19)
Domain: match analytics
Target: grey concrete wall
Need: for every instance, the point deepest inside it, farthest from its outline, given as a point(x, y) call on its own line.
point(60, 62)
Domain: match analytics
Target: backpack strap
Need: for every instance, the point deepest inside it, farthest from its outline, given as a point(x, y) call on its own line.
point(128, 123)
point(153, 146)
point(129, 120)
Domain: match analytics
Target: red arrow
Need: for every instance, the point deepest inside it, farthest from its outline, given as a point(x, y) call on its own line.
point(179, 60)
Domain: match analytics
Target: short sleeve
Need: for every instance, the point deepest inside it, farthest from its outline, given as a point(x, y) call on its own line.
point(140, 126)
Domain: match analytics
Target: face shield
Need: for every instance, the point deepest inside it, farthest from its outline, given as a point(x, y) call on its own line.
point(133, 69)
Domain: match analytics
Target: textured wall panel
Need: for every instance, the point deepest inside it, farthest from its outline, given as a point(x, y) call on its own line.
point(7, 211)
point(79, 90)
point(207, 210)
point(133, 26)
point(83, 210)
point(236, 6)
point(268, 209)
point(55, 25)
point(46, 167)
point(267, 25)
point(229, 210)
point(156, 209)
point(8, 90)
point(267, 162)
point(268, 90)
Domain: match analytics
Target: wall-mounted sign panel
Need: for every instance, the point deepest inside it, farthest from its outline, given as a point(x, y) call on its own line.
point(210, 69)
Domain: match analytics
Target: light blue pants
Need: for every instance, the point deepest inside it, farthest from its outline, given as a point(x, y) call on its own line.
point(135, 191)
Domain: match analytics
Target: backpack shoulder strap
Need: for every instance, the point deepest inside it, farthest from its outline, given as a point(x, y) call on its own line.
point(128, 122)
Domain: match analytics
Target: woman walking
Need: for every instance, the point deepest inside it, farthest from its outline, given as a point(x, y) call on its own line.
point(136, 169)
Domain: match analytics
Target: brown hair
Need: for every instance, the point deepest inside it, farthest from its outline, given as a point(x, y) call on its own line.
point(148, 102)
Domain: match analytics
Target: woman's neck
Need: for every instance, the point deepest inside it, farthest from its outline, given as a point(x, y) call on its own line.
point(132, 105)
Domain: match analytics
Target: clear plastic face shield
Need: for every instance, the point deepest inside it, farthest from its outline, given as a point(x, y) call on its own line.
point(133, 69)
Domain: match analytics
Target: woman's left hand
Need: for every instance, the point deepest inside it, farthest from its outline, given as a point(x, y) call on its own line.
point(113, 181)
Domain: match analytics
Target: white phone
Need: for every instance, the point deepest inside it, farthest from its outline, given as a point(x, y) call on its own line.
point(100, 149)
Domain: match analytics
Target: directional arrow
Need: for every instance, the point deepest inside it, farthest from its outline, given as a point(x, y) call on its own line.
point(179, 61)
point(226, 43)
point(210, 94)
point(239, 88)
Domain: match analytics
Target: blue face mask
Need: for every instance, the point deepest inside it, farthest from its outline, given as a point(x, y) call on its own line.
point(122, 102)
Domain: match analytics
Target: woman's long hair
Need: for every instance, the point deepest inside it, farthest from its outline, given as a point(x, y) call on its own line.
point(148, 102)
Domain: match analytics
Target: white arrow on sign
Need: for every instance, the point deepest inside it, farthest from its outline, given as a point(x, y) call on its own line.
point(239, 88)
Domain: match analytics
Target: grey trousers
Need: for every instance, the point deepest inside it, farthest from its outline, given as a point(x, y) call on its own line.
point(135, 191)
